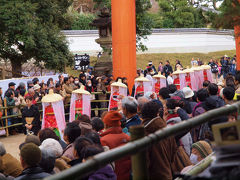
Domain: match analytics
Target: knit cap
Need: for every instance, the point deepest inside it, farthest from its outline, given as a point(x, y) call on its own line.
point(201, 148)
point(112, 119)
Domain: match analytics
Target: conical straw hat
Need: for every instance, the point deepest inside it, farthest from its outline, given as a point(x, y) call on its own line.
point(81, 91)
point(119, 84)
point(178, 72)
point(206, 67)
point(188, 70)
point(142, 78)
point(159, 75)
point(52, 97)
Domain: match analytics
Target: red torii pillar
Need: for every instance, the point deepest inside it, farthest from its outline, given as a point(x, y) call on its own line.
point(124, 40)
point(237, 39)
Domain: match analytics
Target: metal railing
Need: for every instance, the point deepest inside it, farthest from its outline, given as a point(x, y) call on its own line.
point(5, 108)
point(137, 146)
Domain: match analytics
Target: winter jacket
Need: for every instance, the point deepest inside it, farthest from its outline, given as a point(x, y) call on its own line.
point(182, 114)
point(10, 165)
point(32, 173)
point(133, 121)
point(105, 173)
point(163, 158)
point(186, 141)
point(167, 68)
point(114, 137)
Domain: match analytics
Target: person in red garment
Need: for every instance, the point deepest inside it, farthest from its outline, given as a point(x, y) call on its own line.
point(139, 85)
point(50, 119)
point(114, 98)
point(159, 82)
point(188, 77)
point(114, 137)
point(78, 106)
point(118, 91)
point(176, 77)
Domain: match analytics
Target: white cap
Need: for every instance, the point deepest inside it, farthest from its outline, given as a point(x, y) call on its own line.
point(53, 145)
point(187, 92)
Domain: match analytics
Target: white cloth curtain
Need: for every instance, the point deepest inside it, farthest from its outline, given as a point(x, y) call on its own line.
point(72, 107)
point(193, 82)
point(58, 109)
point(182, 80)
point(86, 104)
point(209, 75)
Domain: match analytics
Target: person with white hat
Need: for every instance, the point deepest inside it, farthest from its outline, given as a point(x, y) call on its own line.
point(190, 79)
point(80, 103)
point(189, 103)
point(118, 91)
point(53, 113)
point(179, 79)
point(37, 90)
point(159, 82)
point(142, 85)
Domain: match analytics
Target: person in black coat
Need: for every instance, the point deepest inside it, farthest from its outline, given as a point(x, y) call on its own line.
point(167, 68)
point(31, 111)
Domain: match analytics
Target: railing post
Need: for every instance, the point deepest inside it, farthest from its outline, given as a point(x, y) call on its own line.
point(139, 160)
point(6, 120)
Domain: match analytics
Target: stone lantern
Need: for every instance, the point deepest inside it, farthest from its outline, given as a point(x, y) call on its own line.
point(103, 65)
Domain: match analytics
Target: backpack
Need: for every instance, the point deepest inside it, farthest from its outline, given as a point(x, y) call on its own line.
point(214, 68)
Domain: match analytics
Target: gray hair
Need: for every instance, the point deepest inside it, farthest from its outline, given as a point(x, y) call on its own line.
point(141, 101)
point(2, 149)
point(31, 90)
point(130, 104)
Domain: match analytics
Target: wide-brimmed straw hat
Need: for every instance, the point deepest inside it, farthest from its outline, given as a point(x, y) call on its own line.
point(52, 97)
point(142, 78)
point(159, 75)
point(81, 91)
point(119, 84)
point(178, 72)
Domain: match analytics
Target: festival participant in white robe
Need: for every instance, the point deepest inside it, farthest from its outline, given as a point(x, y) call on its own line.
point(142, 85)
point(207, 73)
point(118, 91)
point(159, 82)
point(53, 113)
point(190, 79)
point(198, 73)
point(179, 79)
point(80, 103)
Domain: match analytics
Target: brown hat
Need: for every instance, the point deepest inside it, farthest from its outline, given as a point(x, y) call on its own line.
point(112, 119)
point(31, 154)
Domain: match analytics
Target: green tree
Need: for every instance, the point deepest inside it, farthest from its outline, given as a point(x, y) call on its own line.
point(229, 14)
point(144, 22)
point(180, 14)
point(82, 22)
point(31, 29)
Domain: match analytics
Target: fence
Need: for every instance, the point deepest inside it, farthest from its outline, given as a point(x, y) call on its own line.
point(5, 108)
point(137, 146)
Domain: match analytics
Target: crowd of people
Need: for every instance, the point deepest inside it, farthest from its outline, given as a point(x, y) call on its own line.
point(45, 153)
